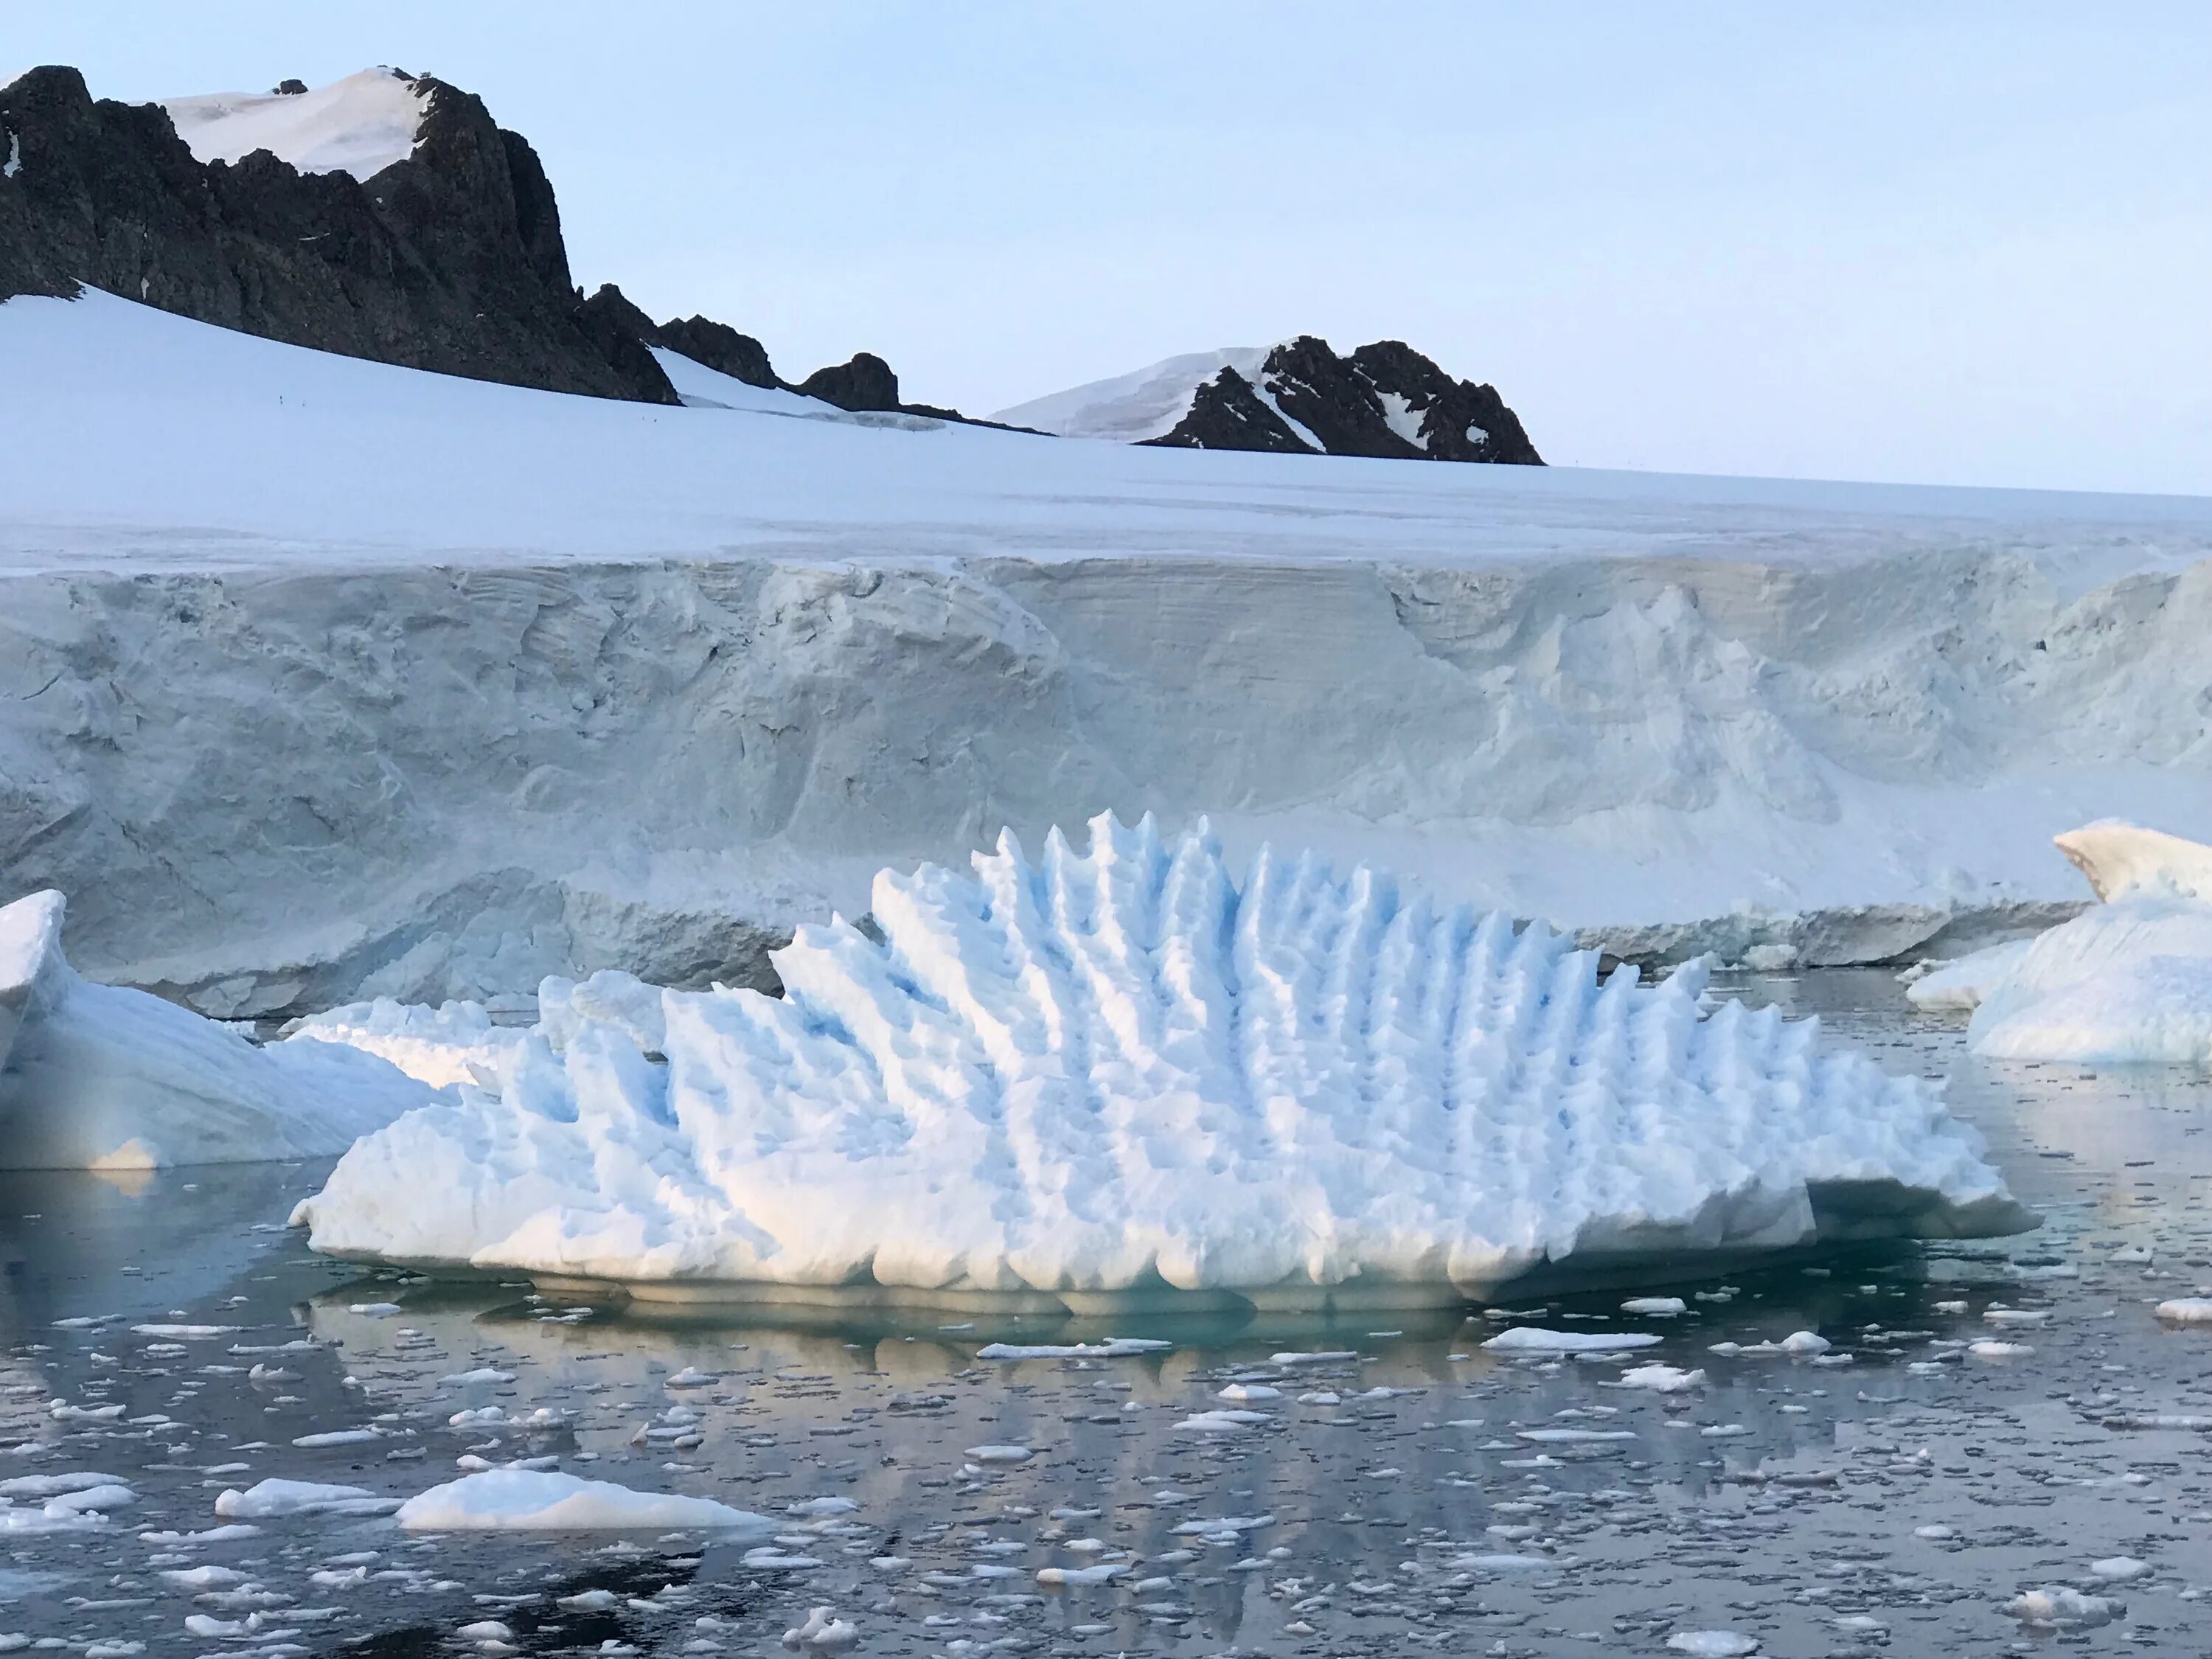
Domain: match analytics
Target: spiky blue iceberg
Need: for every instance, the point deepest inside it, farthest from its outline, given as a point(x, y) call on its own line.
point(1115, 1072)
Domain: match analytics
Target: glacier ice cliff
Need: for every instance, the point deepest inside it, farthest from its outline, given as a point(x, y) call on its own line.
point(1092, 1077)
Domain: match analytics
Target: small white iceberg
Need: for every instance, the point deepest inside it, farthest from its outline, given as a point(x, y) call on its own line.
point(1131, 1074)
point(2129, 980)
point(100, 1076)
point(543, 1500)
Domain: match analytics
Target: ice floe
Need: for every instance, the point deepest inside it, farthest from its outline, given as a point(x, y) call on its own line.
point(2128, 980)
point(539, 1500)
point(103, 1077)
point(1128, 1072)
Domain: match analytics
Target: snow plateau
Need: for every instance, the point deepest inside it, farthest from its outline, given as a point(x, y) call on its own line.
point(1125, 1072)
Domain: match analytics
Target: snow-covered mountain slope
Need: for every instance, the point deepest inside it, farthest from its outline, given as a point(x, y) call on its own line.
point(1140, 1068)
point(1131, 408)
point(701, 387)
point(321, 678)
point(361, 125)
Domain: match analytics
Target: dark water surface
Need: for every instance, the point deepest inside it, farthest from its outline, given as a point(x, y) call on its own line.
point(1418, 1496)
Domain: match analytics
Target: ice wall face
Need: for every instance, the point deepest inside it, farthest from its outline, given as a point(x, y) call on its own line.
point(283, 792)
point(1093, 1076)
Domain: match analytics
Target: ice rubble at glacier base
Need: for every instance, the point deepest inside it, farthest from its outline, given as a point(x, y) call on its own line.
point(1098, 1082)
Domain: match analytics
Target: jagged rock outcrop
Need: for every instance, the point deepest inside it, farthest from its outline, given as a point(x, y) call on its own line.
point(1384, 400)
point(720, 347)
point(450, 259)
point(864, 383)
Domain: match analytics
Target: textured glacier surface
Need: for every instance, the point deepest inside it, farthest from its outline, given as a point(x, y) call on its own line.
point(2127, 981)
point(103, 1077)
point(1127, 1072)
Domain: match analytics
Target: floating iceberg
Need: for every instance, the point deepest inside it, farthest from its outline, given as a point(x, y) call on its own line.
point(1097, 1077)
point(100, 1076)
point(2128, 980)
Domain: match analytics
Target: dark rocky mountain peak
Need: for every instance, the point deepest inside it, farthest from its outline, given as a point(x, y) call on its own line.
point(450, 259)
point(1384, 400)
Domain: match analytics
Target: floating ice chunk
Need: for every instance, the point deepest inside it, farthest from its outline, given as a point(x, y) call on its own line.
point(269, 1499)
point(1572, 1436)
point(1336, 1121)
point(538, 1500)
point(1660, 1379)
point(823, 1630)
point(1001, 1454)
point(175, 1332)
point(1712, 1644)
point(55, 1485)
point(1246, 1393)
point(1986, 1349)
point(1116, 1347)
point(100, 1077)
point(1655, 1307)
point(2185, 1310)
point(768, 1558)
point(1222, 1422)
point(1798, 1345)
point(481, 1374)
point(1330, 1357)
point(1104, 1572)
point(2120, 1568)
point(339, 1437)
point(1531, 1339)
point(2062, 1607)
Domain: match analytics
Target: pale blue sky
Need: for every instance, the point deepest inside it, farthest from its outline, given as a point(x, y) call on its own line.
point(1964, 243)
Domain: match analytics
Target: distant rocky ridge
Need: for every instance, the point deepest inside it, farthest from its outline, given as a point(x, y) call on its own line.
point(449, 258)
point(1384, 400)
point(446, 255)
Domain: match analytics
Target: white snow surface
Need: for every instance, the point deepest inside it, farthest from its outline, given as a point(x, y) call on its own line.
point(544, 1500)
point(1096, 1074)
point(361, 125)
point(105, 1078)
point(1130, 407)
point(2127, 981)
point(614, 685)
